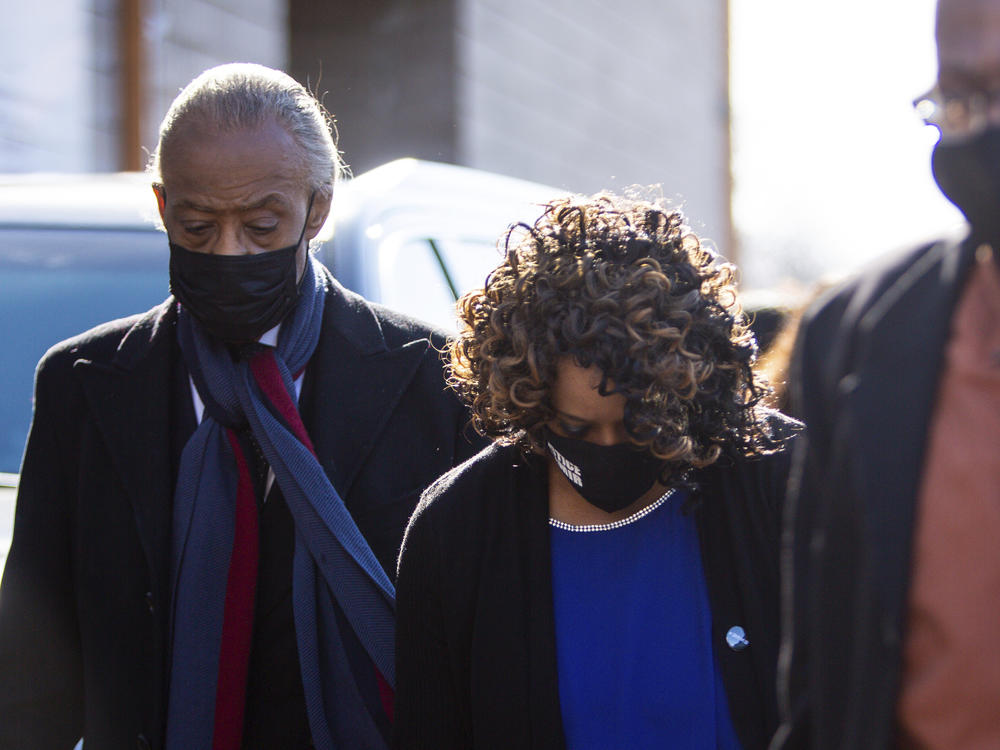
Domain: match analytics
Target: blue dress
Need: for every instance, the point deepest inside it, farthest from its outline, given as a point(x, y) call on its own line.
point(633, 635)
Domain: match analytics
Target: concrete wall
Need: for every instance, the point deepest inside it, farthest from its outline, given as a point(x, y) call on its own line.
point(386, 70)
point(580, 94)
point(105, 85)
point(60, 71)
point(590, 94)
point(185, 37)
point(47, 87)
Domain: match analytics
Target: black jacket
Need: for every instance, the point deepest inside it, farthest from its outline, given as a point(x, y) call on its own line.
point(84, 598)
point(868, 362)
point(476, 658)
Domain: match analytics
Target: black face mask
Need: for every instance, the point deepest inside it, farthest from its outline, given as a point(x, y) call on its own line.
point(968, 173)
point(237, 298)
point(609, 477)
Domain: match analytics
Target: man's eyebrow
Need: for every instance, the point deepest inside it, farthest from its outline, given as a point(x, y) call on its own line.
point(267, 200)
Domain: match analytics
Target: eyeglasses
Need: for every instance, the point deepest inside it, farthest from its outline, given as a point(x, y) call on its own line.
point(959, 116)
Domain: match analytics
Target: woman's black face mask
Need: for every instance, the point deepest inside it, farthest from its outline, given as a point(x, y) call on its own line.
point(237, 298)
point(609, 477)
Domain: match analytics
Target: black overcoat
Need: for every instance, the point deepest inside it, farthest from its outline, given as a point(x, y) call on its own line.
point(84, 596)
point(865, 377)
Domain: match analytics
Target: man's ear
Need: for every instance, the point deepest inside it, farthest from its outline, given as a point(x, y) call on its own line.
point(161, 201)
point(318, 214)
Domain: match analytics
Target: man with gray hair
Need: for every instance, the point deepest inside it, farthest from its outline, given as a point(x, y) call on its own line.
point(214, 492)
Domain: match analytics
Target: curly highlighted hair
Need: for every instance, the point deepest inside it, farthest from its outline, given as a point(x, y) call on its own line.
point(621, 284)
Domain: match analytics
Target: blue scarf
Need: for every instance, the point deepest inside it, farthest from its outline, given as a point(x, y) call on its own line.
point(332, 565)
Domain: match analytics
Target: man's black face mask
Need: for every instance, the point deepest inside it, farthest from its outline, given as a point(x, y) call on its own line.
point(968, 173)
point(237, 298)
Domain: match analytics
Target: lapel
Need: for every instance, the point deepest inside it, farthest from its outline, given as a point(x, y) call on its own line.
point(129, 397)
point(358, 379)
point(889, 399)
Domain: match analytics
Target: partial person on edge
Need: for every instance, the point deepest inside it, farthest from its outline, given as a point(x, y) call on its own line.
point(605, 574)
point(201, 556)
point(893, 565)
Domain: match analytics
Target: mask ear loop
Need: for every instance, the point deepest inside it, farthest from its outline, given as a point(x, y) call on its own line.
point(302, 234)
point(305, 225)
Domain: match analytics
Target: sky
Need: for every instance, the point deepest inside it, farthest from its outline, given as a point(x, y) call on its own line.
point(831, 166)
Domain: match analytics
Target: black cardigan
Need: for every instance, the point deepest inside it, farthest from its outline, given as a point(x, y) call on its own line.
point(476, 659)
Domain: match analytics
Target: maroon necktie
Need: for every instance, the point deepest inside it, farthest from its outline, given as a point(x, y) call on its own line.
point(237, 622)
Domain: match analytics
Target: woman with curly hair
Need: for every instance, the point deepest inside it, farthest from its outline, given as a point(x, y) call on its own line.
point(604, 574)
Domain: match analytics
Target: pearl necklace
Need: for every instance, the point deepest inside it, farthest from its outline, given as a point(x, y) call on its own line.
point(614, 524)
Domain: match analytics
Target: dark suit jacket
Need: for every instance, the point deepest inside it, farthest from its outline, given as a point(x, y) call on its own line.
point(476, 656)
point(84, 599)
point(865, 376)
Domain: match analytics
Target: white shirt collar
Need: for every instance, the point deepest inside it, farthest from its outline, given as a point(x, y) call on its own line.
point(270, 338)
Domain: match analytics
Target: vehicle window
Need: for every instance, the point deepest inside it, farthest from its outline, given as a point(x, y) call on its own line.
point(469, 261)
point(410, 280)
point(55, 284)
point(420, 275)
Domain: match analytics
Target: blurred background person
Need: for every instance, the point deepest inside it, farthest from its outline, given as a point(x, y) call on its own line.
point(894, 565)
point(776, 328)
point(605, 573)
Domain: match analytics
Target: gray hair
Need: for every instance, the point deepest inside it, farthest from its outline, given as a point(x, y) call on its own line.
point(245, 95)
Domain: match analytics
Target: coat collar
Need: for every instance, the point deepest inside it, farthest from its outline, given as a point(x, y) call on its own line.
point(889, 399)
point(129, 397)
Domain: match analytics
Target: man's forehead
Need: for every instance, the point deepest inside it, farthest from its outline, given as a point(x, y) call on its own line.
point(968, 37)
point(278, 201)
point(208, 166)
